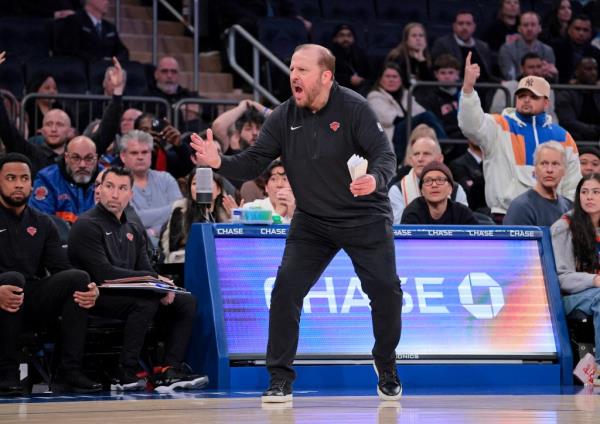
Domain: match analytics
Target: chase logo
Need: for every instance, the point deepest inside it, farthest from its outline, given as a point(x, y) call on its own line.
point(481, 311)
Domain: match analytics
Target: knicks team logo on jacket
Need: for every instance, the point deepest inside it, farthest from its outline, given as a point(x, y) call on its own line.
point(40, 193)
point(129, 236)
point(335, 125)
point(31, 231)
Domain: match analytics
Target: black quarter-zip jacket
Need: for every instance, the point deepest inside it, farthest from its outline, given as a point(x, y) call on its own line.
point(30, 244)
point(315, 148)
point(108, 248)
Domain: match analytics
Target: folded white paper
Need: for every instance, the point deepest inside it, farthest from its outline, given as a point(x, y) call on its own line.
point(357, 165)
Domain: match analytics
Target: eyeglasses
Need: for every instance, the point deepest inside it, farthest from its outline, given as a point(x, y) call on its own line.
point(87, 159)
point(438, 181)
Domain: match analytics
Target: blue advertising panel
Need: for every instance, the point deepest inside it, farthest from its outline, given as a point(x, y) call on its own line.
point(467, 294)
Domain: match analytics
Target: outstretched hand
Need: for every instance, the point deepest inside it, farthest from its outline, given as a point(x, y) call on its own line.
point(206, 150)
point(116, 76)
point(472, 72)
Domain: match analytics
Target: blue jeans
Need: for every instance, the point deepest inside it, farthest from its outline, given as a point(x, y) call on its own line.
point(587, 301)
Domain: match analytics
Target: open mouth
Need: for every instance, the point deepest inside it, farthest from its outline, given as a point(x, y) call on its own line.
point(298, 90)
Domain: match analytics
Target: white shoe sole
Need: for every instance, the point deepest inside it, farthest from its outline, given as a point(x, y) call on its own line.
point(184, 385)
point(138, 385)
point(277, 399)
point(382, 395)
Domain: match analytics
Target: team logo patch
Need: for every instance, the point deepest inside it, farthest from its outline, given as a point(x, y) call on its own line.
point(334, 126)
point(529, 82)
point(40, 193)
point(31, 231)
point(129, 236)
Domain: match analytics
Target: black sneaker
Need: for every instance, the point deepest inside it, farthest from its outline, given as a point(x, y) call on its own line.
point(78, 382)
point(10, 384)
point(279, 391)
point(182, 377)
point(127, 380)
point(388, 386)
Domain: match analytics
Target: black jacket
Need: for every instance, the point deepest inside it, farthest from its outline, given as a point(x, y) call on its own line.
point(417, 212)
point(108, 248)
point(569, 105)
point(76, 35)
point(315, 148)
point(30, 244)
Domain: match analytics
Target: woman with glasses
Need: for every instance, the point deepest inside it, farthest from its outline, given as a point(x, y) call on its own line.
point(435, 207)
point(576, 243)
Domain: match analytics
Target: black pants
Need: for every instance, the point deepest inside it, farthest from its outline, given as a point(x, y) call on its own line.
point(44, 301)
point(137, 309)
point(175, 323)
point(309, 248)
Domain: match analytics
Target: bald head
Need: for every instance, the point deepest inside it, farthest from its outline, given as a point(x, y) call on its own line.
point(81, 159)
point(55, 128)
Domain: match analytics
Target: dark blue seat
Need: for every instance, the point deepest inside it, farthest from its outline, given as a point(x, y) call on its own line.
point(444, 11)
point(11, 77)
point(309, 9)
point(25, 38)
point(382, 37)
point(70, 73)
point(401, 11)
point(356, 11)
point(282, 35)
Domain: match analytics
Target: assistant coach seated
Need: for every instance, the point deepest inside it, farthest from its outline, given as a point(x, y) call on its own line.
point(108, 245)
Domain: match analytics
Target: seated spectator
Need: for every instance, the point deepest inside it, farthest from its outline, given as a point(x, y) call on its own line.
point(575, 245)
point(443, 101)
point(423, 151)
point(531, 64)
point(186, 211)
point(238, 128)
point(434, 206)
point(40, 83)
point(37, 284)
point(170, 151)
point(389, 101)
point(86, 34)
point(352, 68)
point(504, 29)
point(508, 165)
point(153, 191)
point(66, 189)
point(280, 198)
point(542, 205)
point(105, 242)
point(578, 110)
point(412, 55)
point(556, 22)
point(461, 42)
point(468, 172)
point(589, 160)
point(510, 54)
point(576, 45)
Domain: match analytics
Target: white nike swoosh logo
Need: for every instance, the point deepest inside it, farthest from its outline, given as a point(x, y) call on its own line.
point(2, 230)
point(108, 234)
point(295, 128)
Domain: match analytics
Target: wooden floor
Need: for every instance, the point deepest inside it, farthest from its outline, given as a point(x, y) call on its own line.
point(534, 409)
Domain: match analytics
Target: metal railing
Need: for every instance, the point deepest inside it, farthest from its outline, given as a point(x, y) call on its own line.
point(436, 84)
point(180, 106)
point(73, 103)
point(13, 104)
point(257, 50)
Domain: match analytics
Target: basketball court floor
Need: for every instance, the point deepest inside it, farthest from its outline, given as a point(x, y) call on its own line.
point(530, 405)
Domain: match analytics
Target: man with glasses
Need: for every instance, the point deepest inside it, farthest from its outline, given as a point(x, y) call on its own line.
point(66, 189)
point(434, 206)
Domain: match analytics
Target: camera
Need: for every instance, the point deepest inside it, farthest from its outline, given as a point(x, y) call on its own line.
point(158, 125)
